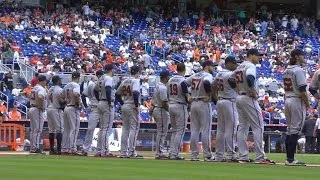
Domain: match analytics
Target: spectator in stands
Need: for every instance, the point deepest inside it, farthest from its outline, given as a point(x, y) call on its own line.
point(308, 132)
point(145, 88)
point(34, 80)
point(8, 80)
point(3, 107)
point(14, 114)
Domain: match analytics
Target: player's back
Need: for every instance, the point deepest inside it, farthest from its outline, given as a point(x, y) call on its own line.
point(315, 81)
point(89, 92)
point(293, 78)
point(126, 89)
point(54, 94)
point(69, 93)
point(240, 74)
point(159, 89)
point(222, 83)
point(175, 91)
point(35, 92)
point(197, 84)
point(104, 81)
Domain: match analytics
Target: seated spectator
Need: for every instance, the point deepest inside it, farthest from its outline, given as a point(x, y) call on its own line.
point(3, 107)
point(14, 114)
point(34, 60)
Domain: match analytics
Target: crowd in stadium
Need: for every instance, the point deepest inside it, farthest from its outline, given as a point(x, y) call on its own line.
point(64, 39)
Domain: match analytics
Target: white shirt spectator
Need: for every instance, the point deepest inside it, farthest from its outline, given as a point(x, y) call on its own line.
point(145, 89)
point(86, 9)
point(34, 38)
point(262, 93)
point(123, 48)
point(162, 64)
point(19, 27)
point(189, 53)
point(16, 55)
point(189, 68)
point(284, 21)
point(294, 23)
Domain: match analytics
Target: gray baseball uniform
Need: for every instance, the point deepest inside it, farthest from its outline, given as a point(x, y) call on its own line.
point(178, 113)
point(71, 117)
point(54, 112)
point(295, 109)
point(106, 113)
point(250, 113)
point(130, 116)
point(201, 114)
point(161, 116)
point(36, 115)
point(227, 116)
point(93, 116)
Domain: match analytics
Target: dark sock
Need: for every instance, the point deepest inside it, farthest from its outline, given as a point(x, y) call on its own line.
point(287, 145)
point(292, 147)
point(59, 141)
point(51, 141)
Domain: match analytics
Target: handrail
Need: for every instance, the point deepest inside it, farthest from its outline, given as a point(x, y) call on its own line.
point(7, 102)
point(25, 69)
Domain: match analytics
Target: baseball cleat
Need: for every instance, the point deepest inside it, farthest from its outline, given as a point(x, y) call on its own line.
point(209, 159)
point(37, 151)
point(97, 155)
point(82, 153)
point(109, 155)
point(136, 156)
point(162, 157)
point(265, 161)
point(195, 159)
point(246, 161)
point(123, 156)
point(52, 153)
point(232, 160)
point(294, 163)
point(179, 158)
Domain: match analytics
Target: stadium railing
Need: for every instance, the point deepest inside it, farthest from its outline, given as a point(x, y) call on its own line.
point(12, 135)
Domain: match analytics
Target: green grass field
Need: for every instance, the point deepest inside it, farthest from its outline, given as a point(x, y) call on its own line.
point(61, 167)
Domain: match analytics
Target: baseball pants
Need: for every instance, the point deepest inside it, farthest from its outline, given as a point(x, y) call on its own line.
point(249, 115)
point(130, 129)
point(37, 118)
point(226, 129)
point(161, 116)
point(71, 129)
point(106, 114)
point(55, 120)
point(92, 124)
point(201, 118)
point(178, 118)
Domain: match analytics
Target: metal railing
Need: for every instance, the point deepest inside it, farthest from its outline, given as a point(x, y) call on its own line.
point(4, 68)
point(6, 99)
point(26, 71)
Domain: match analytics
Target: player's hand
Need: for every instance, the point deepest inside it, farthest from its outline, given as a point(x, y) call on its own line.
point(190, 100)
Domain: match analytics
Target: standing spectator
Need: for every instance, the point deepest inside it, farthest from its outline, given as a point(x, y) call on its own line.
point(14, 114)
point(146, 60)
point(34, 80)
point(316, 133)
point(308, 132)
point(8, 80)
point(294, 23)
point(145, 89)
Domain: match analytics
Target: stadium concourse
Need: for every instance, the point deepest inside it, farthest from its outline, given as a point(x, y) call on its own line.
point(64, 39)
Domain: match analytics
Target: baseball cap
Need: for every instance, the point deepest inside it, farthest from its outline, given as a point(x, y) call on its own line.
point(296, 52)
point(42, 78)
point(55, 79)
point(99, 73)
point(207, 63)
point(134, 69)
point(75, 74)
point(253, 52)
point(230, 59)
point(164, 74)
point(108, 67)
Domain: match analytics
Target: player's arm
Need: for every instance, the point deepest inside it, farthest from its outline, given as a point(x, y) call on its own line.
point(301, 82)
point(108, 86)
point(164, 97)
point(207, 85)
point(136, 92)
point(251, 80)
point(314, 86)
point(41, 97)
point(214, 94)
point(96, 91)
point(118, 94)
point(184, 88)
point(76, 93)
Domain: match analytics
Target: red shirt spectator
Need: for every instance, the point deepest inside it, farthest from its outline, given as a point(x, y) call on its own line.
point(34, 81)
point(34, 60)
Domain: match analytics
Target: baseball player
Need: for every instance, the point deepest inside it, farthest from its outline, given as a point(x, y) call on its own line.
point(55, 114)
point(94, 116)
point(296, 102)
point(178, 110)
point(201, 112)
point(38, 102)
point(71, 94)
point(129, 90)
point(160, 113)
point(249, 110)
point(225, 96)
point(106, 91)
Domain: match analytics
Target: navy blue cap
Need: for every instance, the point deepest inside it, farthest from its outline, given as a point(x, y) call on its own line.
point(108, 67)
point(42, 78)
point(230, 59)
point(55, 79)
point(253, 52)
point(297, 52)
point(75, 74)
point(134, 69)
point(99, 73)
point(207, 63)
point(164, 74)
